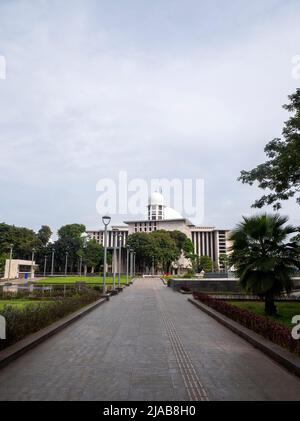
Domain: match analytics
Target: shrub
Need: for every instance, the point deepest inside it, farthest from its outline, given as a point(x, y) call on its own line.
point(269, 329)
point(21, 322)
point(189, 274)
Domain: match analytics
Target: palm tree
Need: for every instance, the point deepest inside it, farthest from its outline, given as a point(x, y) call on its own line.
point(265, 256)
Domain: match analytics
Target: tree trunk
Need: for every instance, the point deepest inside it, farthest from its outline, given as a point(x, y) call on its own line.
point(270, 307)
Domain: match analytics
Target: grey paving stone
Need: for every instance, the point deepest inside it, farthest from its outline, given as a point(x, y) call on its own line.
point(123, 351)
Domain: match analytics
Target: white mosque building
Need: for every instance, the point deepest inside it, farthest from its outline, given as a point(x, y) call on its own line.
point(207, 241)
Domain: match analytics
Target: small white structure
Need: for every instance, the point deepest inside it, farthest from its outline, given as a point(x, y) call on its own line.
point(19, 269)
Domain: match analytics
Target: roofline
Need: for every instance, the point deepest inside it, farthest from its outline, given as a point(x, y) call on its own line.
point(189, 223)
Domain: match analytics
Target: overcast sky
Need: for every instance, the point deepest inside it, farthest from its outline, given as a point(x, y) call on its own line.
point(160, 88)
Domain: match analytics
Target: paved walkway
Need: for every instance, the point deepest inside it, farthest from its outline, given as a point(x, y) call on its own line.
point(147, 343)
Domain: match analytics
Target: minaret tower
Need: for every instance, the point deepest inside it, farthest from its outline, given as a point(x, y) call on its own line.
point(156, 207)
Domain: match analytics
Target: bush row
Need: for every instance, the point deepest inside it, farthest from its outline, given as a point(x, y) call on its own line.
point(269, 329)
point(21, 322)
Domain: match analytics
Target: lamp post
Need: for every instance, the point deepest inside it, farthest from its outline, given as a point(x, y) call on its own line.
point(115, 237)
point(32, 259)
point(10, 258)
point(66, 263)
point(127, 264)
point(80, 265)
point(45, 266)
point(106, 220)
point(52, 262)
point(134, 255)
point(152, 265)
point(120, 259)
point(85, 241)
point(131, 263)
point(84, 236)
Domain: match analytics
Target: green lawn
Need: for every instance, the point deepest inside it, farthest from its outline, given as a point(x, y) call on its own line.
point(20, 303)
point(286, 310)
point(87, 279)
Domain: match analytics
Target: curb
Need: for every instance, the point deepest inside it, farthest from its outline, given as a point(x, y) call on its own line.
point(285, 358)
point(14, 351)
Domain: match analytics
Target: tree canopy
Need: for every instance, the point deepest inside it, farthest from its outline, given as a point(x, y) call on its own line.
point(163, 246)
point(264, 256)
point(23, 240)
point(69, 240)
point(206, 263)
point(93, 254)
point(280, 174)
point(44, 235)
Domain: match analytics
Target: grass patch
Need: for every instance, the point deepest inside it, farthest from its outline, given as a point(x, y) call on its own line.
point(86, 279)
point(286, 310)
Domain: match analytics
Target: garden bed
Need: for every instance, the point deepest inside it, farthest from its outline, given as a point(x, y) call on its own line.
point(23, 320)
point(286, 310)
point(270, 329)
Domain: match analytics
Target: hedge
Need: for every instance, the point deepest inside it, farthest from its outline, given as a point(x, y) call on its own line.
point(21, 322)
point(269, 329)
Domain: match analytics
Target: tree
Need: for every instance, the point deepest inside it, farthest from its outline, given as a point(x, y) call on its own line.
point(224, 260)
point(23, 240)
point(69, 240)
point(44, 235)
point(71, 231)
point(145, 248)
point(93, 254)
point(264, 256)
point(281, 172)
point(206, 263)
point(165, 247)
point(183, 243)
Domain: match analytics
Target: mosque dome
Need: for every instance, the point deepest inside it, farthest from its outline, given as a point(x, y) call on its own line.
point(171, 213)
point(156, 199)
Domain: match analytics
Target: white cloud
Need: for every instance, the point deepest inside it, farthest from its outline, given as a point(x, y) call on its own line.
point(80, 103)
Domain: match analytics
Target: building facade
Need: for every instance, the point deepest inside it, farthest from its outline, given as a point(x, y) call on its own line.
point(207, 241)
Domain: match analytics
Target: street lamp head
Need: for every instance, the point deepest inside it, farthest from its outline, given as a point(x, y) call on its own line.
point(106, 220)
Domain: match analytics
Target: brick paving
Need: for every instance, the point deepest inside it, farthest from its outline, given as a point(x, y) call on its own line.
point(147, 343)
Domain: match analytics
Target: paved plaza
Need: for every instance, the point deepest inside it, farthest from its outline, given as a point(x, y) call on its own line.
point(147, 343)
